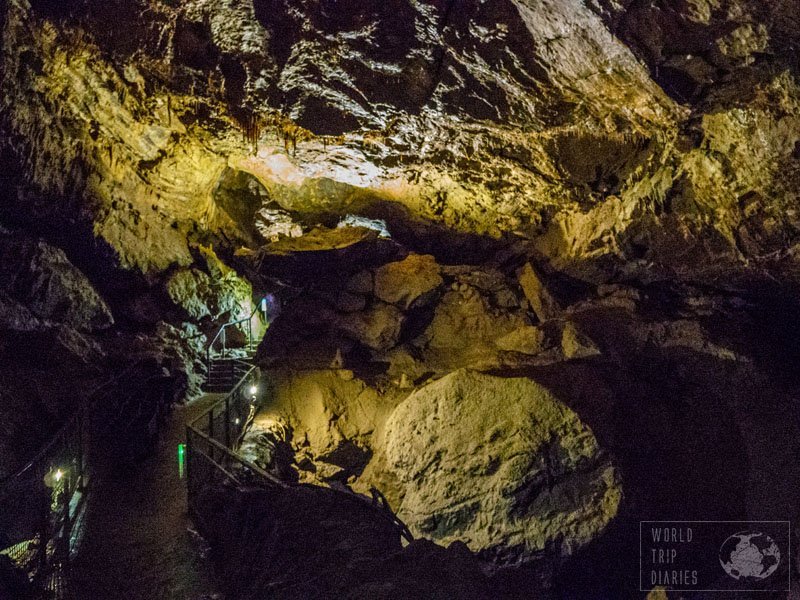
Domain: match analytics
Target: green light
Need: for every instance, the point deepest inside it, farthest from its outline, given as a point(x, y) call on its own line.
point(181, 459)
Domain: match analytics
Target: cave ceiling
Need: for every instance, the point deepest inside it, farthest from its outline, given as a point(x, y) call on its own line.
point(599, 132)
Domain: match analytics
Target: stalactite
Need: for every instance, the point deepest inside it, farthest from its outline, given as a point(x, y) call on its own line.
point(251, 130)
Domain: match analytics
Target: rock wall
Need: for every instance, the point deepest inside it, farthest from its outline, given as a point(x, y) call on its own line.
point(601, 197)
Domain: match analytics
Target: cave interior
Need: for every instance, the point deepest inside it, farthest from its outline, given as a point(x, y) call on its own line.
point(411, 299)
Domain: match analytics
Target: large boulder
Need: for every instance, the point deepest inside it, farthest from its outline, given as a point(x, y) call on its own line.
point(540, 299)
point(407, 281)
point(465, 328)
point(500, 464)
point(377, 327)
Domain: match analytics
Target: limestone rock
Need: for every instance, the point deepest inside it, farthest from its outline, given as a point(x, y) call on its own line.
point(41, 278)
point(408, 281)
point(575, 344)
point(542, 303)
point(328, 473)
point(330, 417)
point(266, 444)
point(683, 333)
point(346, 302)
point(182, 352)
point(378, 327)
point(67, 342)
point(272, 223)
point(191, 289)
point(322, 239)
point(360, 283)
point(464, 329)
point(657, 593)
point(217, 292)
point(555, 341)
point(499, 464)
point(525, 340)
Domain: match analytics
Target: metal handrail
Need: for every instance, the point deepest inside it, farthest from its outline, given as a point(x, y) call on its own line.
point(221, 331)
point(56, 437)
point(237, 458)
point(378, 502)
point(239, 384)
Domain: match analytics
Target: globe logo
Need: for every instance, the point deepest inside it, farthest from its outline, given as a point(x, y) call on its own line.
point(749, 556)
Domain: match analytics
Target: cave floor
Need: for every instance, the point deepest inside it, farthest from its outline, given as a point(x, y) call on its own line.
point(137, 541)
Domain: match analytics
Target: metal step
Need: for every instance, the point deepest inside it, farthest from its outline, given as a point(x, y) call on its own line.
point(224, 373)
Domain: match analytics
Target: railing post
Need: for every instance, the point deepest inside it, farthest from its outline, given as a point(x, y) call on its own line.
point(81, 446)
point(66, 530)
point(211, 423)
point(227, 421)
point(44, 537)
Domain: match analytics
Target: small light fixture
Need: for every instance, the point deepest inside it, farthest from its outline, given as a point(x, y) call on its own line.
point(238, 420)
point(253, 389)
point(53, 477)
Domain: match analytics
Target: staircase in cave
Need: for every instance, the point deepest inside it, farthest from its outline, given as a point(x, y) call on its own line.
point(225, 371)
point(227, 366)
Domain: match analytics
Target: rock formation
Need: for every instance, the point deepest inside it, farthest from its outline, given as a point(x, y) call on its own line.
point(498, 464)
point(311, 542)
point(595, 201)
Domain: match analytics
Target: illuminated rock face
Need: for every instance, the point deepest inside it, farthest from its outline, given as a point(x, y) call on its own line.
point(525, 116)
point(499, 464)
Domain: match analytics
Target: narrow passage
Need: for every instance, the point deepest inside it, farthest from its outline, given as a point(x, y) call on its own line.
point(136, 542)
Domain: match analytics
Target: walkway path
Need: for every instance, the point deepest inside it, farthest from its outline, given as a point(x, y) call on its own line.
point(136, 543)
